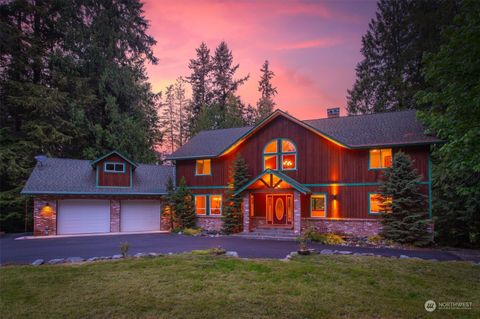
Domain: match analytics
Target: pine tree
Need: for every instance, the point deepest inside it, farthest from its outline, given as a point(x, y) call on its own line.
point(185, 206)
point(169, 204)
point(266, 104)
point(250, 115)
point(223, 72)
point(183, 113)
point(169, 120)
point(390, 73)
point(232, 206)
point(404, 210)
point(200, 80)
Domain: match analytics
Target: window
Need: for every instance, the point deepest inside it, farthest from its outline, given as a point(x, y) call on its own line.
point(375, 202)
point(318, 204)
point(215, 205)
point(111, 167)
point(201, 204)
point(203, 167)
point(380, 158)
point(280, 152)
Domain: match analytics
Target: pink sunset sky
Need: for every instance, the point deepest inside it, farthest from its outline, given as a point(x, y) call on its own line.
point(313, 46)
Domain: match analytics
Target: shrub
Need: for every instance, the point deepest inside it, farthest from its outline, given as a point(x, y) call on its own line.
point(326, 238)
point(211, 251)
point(376, 239)
point(191, 231)
point(124, 247)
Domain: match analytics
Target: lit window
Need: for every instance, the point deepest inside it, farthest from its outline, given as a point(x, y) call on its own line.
point(280, 152)
point(215, 204)
point(380, 158)
point(203, 167)
point(201, 204)
point(318, 205)
point(114, 167)
point(376, 201)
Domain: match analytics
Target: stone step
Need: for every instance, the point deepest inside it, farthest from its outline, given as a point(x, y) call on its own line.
point(267, 237)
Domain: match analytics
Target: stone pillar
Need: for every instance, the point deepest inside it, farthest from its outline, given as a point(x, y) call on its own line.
point(44, 223)
point(246, 213)
point(114, 216)
point(297, 213)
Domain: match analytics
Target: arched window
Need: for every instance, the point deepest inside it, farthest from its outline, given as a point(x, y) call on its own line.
point(280, 154)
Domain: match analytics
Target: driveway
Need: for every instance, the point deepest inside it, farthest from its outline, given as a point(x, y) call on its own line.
point(26, 251)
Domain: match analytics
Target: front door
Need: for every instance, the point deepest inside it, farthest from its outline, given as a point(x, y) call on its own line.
point(279, 209)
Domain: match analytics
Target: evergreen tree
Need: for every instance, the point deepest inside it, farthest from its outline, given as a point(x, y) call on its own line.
point(390, 73)
point(452, 94)
point(250, 115)
point(404, 210)
point(169, 204)
point(72, 84)
point(232, 206)
point(183, 112)
point(223, 72)
point(185, 206)
point(200, 80)
point(169, 120)
point(266, 104)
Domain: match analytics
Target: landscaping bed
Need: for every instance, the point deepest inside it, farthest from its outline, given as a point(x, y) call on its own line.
point(206, 285)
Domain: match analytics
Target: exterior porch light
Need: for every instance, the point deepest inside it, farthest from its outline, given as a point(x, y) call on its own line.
point(47, 211)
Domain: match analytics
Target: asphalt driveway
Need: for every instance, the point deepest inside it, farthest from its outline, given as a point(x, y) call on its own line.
point(26, 251)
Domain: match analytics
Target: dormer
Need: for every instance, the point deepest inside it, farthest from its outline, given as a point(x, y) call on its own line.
point(113, 170)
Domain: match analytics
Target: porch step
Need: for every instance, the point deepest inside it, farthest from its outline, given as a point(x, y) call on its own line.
point(270, 233)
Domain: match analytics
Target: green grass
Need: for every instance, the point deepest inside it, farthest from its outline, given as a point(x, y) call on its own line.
point(196, 286)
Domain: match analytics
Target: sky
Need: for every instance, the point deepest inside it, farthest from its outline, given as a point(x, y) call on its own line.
point(312, 46)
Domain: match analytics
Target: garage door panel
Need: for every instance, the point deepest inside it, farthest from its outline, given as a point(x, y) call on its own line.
point(83, 216)
point(139, 215)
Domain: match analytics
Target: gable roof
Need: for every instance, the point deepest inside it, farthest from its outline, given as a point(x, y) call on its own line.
point(94, 162)
point(282, 177)
point(353, 132)
point(63, 176)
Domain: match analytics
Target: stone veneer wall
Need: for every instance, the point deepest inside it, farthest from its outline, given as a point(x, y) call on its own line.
point(355, 227)
point(114, 216)
point(210, 223)
point(43, 226)
point(246, 213)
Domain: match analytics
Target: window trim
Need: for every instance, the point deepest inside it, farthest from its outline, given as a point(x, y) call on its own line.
point(279, 154)
point(204, 159)
point(105, 170)
point(206, 204)
point(326, 204)
point(210, 208)
point(370, 168)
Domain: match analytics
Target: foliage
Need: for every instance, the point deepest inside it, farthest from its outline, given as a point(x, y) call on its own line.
point(211, 251)
point(375, 239)
point(124, 247)
point(390, 73)
point(72, 84)
point(453, 94)
point(184, 206)
point(324, 238)
point(404, 210)
point(266, 104)
point(191, 231)
point(232, 205)
point(303, 240)
point(169, 205)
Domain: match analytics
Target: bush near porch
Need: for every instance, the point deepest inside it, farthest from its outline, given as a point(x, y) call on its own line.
point(197, 286)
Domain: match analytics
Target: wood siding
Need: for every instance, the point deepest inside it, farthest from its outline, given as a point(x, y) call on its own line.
point(319, 161)
point(113, 179)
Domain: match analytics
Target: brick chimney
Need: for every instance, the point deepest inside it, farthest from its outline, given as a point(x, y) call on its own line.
point(333, 112)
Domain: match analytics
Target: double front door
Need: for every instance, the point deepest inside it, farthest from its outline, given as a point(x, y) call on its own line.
point(279, 209)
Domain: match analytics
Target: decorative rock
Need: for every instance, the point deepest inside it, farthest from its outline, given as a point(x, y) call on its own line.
point(56, 261)
point(152, 255)
point(117, 257)
point(344, 252)
point(170, 253)
point(38, 262)
point(140, 255)
point(74, 260)
point(404, 256)
point(326, 252)
point(231, 254)
point(94, 259)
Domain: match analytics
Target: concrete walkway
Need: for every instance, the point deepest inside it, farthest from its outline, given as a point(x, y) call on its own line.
point(26, 251)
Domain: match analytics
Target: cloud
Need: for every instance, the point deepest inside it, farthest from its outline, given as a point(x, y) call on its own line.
point(308, 44)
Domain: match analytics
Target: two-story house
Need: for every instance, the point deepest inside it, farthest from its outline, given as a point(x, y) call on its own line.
point(323, 173)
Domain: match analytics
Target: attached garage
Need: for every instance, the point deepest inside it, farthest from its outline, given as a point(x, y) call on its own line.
point(139, 215)
point(83, 216)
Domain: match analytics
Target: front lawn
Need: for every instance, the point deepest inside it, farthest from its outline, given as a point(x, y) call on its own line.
point(196, 286)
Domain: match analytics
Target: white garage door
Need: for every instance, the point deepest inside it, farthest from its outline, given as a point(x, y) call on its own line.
point(82, 216)
point(139, 215)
